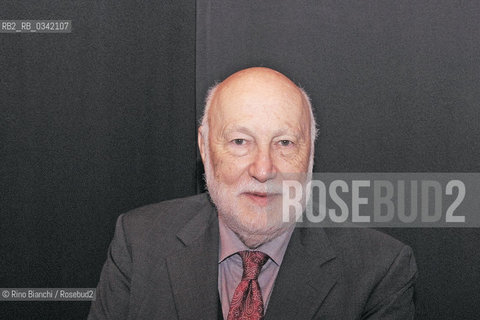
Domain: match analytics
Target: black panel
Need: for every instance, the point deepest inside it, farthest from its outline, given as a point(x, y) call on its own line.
point(93, 123)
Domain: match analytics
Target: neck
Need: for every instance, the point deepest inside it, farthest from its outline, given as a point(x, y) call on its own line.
point(254, 240)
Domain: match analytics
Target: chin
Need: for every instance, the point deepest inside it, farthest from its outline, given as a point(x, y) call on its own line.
point(254, 225)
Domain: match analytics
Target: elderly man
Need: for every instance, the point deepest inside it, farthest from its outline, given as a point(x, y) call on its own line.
point(233, 255)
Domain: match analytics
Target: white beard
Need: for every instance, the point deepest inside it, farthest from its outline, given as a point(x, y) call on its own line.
point(252, 223)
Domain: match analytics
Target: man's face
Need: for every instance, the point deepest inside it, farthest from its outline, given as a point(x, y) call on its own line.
point(259, 131)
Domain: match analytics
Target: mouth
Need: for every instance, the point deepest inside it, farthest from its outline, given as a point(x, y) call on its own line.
point(261, 198)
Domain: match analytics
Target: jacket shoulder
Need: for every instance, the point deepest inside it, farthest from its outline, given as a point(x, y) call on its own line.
point(369, 257)
point(364, 242)
point(166, 217)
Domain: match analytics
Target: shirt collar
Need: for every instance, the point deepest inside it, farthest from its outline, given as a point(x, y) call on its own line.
point(230, 244)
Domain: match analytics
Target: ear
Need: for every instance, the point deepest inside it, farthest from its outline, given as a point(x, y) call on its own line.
point(201, 143)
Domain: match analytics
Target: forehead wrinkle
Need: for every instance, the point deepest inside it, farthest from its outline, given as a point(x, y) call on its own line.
point(237, 128)
point(227, 124)
point(297, 131)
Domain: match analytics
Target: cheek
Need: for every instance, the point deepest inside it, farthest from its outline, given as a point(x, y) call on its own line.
point(294, 162)
point(229, 170)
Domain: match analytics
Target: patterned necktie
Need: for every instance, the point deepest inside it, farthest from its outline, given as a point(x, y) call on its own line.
point(247, 302)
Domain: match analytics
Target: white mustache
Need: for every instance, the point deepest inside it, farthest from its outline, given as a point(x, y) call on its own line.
point(262, 188)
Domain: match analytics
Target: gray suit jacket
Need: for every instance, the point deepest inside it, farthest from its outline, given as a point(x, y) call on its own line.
point(162, 264)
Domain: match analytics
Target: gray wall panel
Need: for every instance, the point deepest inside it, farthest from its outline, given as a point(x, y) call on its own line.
point(395, 86)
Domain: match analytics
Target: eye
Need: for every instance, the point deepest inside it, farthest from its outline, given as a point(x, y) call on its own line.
point(239, 142)
point(285, 143)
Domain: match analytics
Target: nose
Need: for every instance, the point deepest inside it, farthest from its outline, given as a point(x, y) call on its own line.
point(262, 168)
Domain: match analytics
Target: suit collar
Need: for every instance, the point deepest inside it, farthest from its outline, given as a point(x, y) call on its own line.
point(308, 273)
point(193, 270)
point(201, 224)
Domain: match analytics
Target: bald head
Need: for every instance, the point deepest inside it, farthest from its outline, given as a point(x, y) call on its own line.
point(257, 80)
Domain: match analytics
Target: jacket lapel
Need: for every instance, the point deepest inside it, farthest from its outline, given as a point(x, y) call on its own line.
point(193, 270)
point(308, 272)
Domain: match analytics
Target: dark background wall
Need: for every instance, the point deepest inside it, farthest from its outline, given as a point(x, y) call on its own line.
point(92, 124)
point(102, 120)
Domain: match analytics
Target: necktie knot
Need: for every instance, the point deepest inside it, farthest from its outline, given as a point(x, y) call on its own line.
point(253, 262)
point(247, 301)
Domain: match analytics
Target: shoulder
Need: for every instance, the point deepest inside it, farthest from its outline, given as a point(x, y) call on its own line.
point(363, 242)
point(374, 255)
point(180, 209)
point(163, 219)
